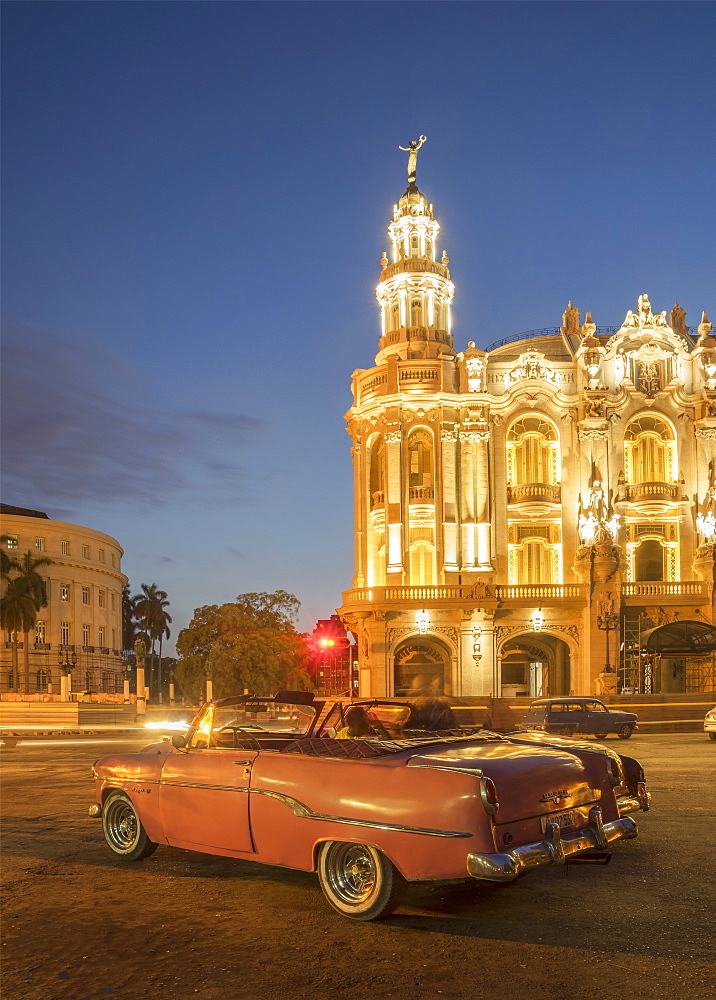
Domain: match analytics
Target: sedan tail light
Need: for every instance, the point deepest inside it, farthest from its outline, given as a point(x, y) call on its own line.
point(488, 794)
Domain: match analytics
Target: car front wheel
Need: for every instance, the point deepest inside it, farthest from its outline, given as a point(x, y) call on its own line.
point(565, 731)
point(358, 881)
point(624, 732)
point(123, 829)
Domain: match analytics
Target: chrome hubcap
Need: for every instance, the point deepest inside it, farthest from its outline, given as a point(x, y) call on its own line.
point(120, 825)
point(351, 873)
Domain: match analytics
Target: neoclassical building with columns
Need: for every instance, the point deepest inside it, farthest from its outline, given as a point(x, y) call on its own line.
point(527, 514)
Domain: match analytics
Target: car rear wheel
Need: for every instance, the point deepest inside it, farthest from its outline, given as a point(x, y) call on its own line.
point(358, 881)
point(123, 829)
point(565, 731)
point(624, 732)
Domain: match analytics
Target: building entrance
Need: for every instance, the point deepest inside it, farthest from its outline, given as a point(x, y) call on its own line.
point(421, 669)
point(535, 667)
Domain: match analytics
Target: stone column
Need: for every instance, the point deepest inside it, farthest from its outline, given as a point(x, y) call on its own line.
point(394, 509)
point(140, 650)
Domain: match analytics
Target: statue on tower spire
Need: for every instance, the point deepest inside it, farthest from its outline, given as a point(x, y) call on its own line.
point(412, 150)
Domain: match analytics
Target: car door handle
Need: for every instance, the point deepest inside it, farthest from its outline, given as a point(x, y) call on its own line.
point(244, 763)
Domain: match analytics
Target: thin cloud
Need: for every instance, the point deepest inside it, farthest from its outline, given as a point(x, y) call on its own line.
point(76, 429)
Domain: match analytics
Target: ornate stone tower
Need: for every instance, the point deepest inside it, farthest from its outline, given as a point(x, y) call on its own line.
point(524, 514)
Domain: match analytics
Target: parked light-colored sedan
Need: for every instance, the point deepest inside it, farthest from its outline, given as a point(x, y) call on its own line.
point(710, 723)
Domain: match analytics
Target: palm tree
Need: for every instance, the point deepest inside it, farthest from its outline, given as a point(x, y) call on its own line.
point(36, 587)
point(129, 618)
point(150, 611)
point(18, 613)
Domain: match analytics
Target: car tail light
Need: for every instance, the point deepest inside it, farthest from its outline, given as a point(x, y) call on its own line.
point(488, 794)
point(616, 775)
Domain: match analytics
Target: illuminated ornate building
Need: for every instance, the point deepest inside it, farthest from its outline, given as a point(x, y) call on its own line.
point(526, 513)
point(80, 630)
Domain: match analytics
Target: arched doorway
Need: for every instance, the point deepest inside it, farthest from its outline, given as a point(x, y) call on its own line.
point(535, 666)
point(421, 668)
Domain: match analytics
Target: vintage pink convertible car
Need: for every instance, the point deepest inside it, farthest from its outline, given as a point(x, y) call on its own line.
point(276, 780)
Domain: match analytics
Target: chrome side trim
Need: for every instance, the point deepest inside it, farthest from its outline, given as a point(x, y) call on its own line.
point(555, 848)
point(305, 812)
point(456, 770)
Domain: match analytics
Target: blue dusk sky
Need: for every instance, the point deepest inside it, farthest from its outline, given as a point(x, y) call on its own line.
point(196, 198)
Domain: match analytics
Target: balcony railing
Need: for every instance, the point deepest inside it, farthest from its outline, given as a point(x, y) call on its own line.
point(421, 494)
point(543, 592)
point(664, 588)
point(649, 491)
point(539, 591)
point(534, 493)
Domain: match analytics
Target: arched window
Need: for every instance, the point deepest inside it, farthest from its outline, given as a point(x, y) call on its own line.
point(649, 451)
point(532, 452)
point(534, 561)
point(395, 317)
point(377, 472)
point(416, 313)
point(649, 560)
point(420, 458)
point(422, 564)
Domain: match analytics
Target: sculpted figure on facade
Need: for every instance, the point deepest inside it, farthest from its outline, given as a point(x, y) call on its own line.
point(412, 151)
point(570, 320)
point(595, 522)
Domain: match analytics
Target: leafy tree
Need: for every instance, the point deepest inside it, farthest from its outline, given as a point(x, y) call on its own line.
point(251, 645)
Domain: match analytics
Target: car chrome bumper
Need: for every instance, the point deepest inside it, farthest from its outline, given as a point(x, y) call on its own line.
point(555, 848)
point(633, 803)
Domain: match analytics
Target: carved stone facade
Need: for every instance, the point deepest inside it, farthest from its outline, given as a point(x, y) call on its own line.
point(505, 497)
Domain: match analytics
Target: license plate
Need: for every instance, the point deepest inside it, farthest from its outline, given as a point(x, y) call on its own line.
point(561, 819)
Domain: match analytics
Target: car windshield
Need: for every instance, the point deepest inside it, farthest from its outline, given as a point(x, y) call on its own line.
point(264, 717)
point(216, 725)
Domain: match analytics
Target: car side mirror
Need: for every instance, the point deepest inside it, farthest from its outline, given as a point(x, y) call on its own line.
point(179, 740)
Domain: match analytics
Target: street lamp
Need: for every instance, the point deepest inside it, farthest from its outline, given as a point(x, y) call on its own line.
point(66, 661)
point(606, 622)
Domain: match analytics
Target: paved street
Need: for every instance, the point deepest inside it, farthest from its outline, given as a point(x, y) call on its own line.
point(81, 925)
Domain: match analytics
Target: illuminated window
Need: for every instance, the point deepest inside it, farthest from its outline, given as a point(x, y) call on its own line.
point(532, 452)
point(649, 451)
point(64, 591)
point(85, 552)
point(85, 595)
point(85, 635)
point(11, 541)
point(40, 632)
point(65, 548)
point(420, 457)
point(534, 560)
point(65, 633)
point(40, 544)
